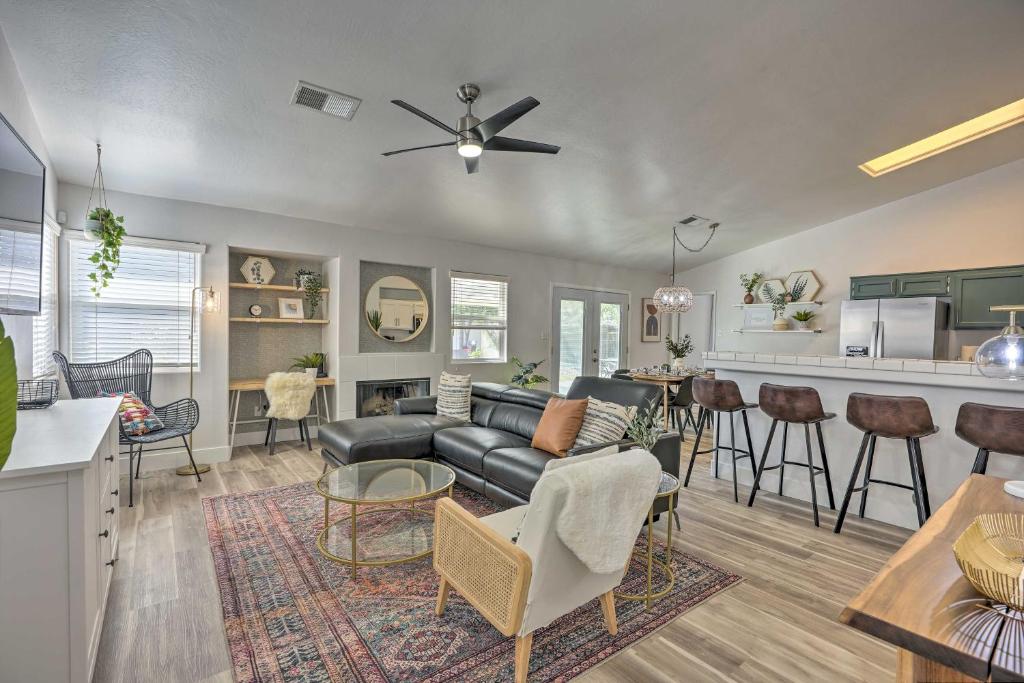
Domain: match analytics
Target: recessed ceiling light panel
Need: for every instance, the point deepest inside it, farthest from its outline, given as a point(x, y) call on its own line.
point(327, 101)
point(960, 134)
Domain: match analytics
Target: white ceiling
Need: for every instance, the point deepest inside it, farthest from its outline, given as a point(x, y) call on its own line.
point(753, 113)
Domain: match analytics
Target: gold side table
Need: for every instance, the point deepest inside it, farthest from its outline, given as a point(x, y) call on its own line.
point(389, 486)
point(667, 488)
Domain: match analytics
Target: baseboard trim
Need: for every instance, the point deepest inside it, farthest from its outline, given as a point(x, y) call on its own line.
point(162, 460)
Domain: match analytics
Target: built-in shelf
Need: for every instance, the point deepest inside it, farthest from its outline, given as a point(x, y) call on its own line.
point(791, 303)
point(273, 288)
point(286, 321)
point(778, 331)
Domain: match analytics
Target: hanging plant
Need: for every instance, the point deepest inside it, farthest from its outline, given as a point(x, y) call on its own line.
point(313, 283)
point(104, 228)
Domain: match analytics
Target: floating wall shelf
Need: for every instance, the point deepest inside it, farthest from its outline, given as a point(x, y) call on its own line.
point(778, 331)
point(273, 288)
point(285, 321)
point(792, 303)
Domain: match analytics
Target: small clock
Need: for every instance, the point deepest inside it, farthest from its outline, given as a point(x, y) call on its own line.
point(256, 310)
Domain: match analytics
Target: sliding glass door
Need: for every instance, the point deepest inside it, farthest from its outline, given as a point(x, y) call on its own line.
point(588, 334)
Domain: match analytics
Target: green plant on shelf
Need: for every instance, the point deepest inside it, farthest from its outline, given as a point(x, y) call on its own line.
point(312, 283)
point(750, 283)
point(804, 316)
point(776, 299)
point(310, 360)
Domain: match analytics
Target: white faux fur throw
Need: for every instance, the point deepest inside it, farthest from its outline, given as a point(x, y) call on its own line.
point(605, 506)
point(290, 394)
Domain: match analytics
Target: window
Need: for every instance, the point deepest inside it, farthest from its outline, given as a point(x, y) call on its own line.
point(146, 305)
point(44, 325)
point(479, 317)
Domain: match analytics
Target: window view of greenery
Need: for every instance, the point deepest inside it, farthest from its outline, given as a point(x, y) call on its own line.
point(570, 344)
point(478, 344)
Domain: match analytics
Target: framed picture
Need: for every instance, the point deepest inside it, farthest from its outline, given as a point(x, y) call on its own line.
point(290, 308)
point(650, 321)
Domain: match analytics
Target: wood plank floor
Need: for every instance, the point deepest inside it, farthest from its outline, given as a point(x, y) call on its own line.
point(164, 623)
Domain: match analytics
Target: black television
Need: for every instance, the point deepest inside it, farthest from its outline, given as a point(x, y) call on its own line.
point(22, 193)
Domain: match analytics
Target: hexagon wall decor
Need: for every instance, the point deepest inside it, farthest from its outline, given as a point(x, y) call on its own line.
point(257, 270)
point(806, 281)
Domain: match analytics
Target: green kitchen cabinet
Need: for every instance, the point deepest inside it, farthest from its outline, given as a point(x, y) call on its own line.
point(974, 291)
point(873, 287)
point(922, 284)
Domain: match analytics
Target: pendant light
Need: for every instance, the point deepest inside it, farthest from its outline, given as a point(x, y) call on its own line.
point(677, 298)
point(1002, 357)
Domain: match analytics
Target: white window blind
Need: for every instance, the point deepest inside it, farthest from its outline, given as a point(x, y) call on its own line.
point(146, 305)
point(479, 317)
point(44, 325)
point(19, 261)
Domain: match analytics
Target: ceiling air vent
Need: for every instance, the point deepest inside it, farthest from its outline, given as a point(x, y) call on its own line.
point(327, 101)
point(695, 221)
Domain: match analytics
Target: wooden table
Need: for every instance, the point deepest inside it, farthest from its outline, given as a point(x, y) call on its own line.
point(921, 603)
point(237, 386)
point(664, 381)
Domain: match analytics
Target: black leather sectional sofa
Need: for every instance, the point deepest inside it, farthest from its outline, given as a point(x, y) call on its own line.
point(491, 453)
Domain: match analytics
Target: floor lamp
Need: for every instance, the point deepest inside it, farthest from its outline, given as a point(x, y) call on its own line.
point(208, 301)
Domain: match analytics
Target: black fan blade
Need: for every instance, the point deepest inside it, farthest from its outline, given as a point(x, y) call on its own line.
point(472, 164)
point(494, 125)
point(413, 149)
point(423, 115)
point(500, 144)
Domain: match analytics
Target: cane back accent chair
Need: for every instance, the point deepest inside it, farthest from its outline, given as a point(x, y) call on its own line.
point(133, 373)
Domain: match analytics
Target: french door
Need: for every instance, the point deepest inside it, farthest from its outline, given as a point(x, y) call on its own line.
point(588, 334)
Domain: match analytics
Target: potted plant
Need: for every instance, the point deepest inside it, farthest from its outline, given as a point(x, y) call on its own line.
point(375, 319)
point(778, 304)
point(643, 429)
point(312, 363)
point(749, 284)
point(312, 283)
point(679, 350)
point(526, 376)
point(803, 319)
point(108, 231)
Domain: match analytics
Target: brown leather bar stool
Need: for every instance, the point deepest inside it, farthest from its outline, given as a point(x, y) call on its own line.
point(998, 429)
point(889, 417)
point(717, 396)
point(794, 405)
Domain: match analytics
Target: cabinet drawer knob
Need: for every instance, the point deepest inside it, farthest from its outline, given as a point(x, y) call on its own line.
point(110, 511)
point(115, 492)
point(111, 562)
point(109, 458)
point(106, 532)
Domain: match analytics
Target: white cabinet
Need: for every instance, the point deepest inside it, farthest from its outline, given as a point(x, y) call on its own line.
point(397, 315)
point(58, 540)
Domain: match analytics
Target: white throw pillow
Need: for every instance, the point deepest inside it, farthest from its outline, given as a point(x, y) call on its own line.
point(453, 394)
point(603, 422)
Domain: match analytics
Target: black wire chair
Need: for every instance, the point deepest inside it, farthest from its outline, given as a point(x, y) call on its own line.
point(133, 373)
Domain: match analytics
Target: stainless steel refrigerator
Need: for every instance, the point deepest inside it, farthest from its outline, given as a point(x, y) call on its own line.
point(895, 328)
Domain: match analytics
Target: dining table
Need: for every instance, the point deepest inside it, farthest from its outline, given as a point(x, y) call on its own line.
point(943, 629)
point(665, 380)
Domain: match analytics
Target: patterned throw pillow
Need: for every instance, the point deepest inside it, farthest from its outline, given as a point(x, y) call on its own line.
point(453, 395)
point(136, 417)
point(603, 422)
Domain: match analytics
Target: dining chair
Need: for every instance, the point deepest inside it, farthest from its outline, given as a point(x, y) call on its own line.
point(290, 394)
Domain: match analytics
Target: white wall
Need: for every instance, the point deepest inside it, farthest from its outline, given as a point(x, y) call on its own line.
point(530, 278)
point(15, 107)
point(971, 223)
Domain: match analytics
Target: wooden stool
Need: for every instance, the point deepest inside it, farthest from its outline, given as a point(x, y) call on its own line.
point(716, 396)
point(794, 405)
point(889, 417)
point(991, 428)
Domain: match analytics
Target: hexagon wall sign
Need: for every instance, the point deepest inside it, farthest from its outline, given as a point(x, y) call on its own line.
point(257, 270)
point(805, 279)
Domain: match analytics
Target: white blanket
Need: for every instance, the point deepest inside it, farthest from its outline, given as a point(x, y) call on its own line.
point(606, 504)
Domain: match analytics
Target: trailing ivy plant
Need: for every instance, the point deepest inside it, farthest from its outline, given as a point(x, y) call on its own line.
point(312, 282)
point(107, 256)
point(526, 376)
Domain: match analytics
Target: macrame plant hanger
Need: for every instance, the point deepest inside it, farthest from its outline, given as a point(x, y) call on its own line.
point(98, 188)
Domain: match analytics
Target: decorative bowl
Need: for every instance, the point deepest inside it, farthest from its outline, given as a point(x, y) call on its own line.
point(990, 553)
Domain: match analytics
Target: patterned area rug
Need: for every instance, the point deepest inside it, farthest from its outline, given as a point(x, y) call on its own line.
point(293, 615)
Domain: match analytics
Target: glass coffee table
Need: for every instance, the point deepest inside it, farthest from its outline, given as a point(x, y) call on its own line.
point(394, 529)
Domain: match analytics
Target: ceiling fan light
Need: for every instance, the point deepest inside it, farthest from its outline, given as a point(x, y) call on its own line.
point(470, 148)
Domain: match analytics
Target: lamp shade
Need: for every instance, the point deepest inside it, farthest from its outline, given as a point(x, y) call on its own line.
point(674, 299)
point(207, 300)
point(1002, 357)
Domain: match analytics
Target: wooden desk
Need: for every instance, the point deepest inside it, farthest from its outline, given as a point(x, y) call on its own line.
point(664, 381)
point(921, 603)
point(237, 386)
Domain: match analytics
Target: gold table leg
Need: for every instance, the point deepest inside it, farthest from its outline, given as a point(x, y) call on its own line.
point(670, 513)
point(650, 556)
point(353, 540)
point(327, 513)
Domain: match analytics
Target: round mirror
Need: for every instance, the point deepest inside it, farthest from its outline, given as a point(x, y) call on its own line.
point(396, 309)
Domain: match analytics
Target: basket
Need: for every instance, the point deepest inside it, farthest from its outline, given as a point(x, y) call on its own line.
point(990, 553)
point(37, 393)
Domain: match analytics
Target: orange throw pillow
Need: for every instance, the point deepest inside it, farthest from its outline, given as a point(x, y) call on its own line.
point(559, 425)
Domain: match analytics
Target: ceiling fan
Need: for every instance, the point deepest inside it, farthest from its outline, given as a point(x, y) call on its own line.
point(473, 136)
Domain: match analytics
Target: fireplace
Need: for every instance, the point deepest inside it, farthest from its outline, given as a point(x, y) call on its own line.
point(377, 397)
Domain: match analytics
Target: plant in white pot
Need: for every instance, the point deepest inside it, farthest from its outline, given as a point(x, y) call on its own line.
point(803, 319)
point(311, 363)
point(679, 350)
point(778, 303)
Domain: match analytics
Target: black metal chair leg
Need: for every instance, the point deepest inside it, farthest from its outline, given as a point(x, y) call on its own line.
point(782, 458)
point(138, 463)
point(915, 477)
point(191, 460)
point(696, 446)
point(266, 439)
point(824, 466)
point(920, 476)
point(732, 447)
point(750, 444)
point(131, 482)
point(980, 462)
point(309, 439)
point(718, 443)
point(760, 467)
point(273, 434)
point(849, 487)
point(810, 472)
point(867, 477)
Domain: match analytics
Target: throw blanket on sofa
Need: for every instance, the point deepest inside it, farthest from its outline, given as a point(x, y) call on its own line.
point(605, 506)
